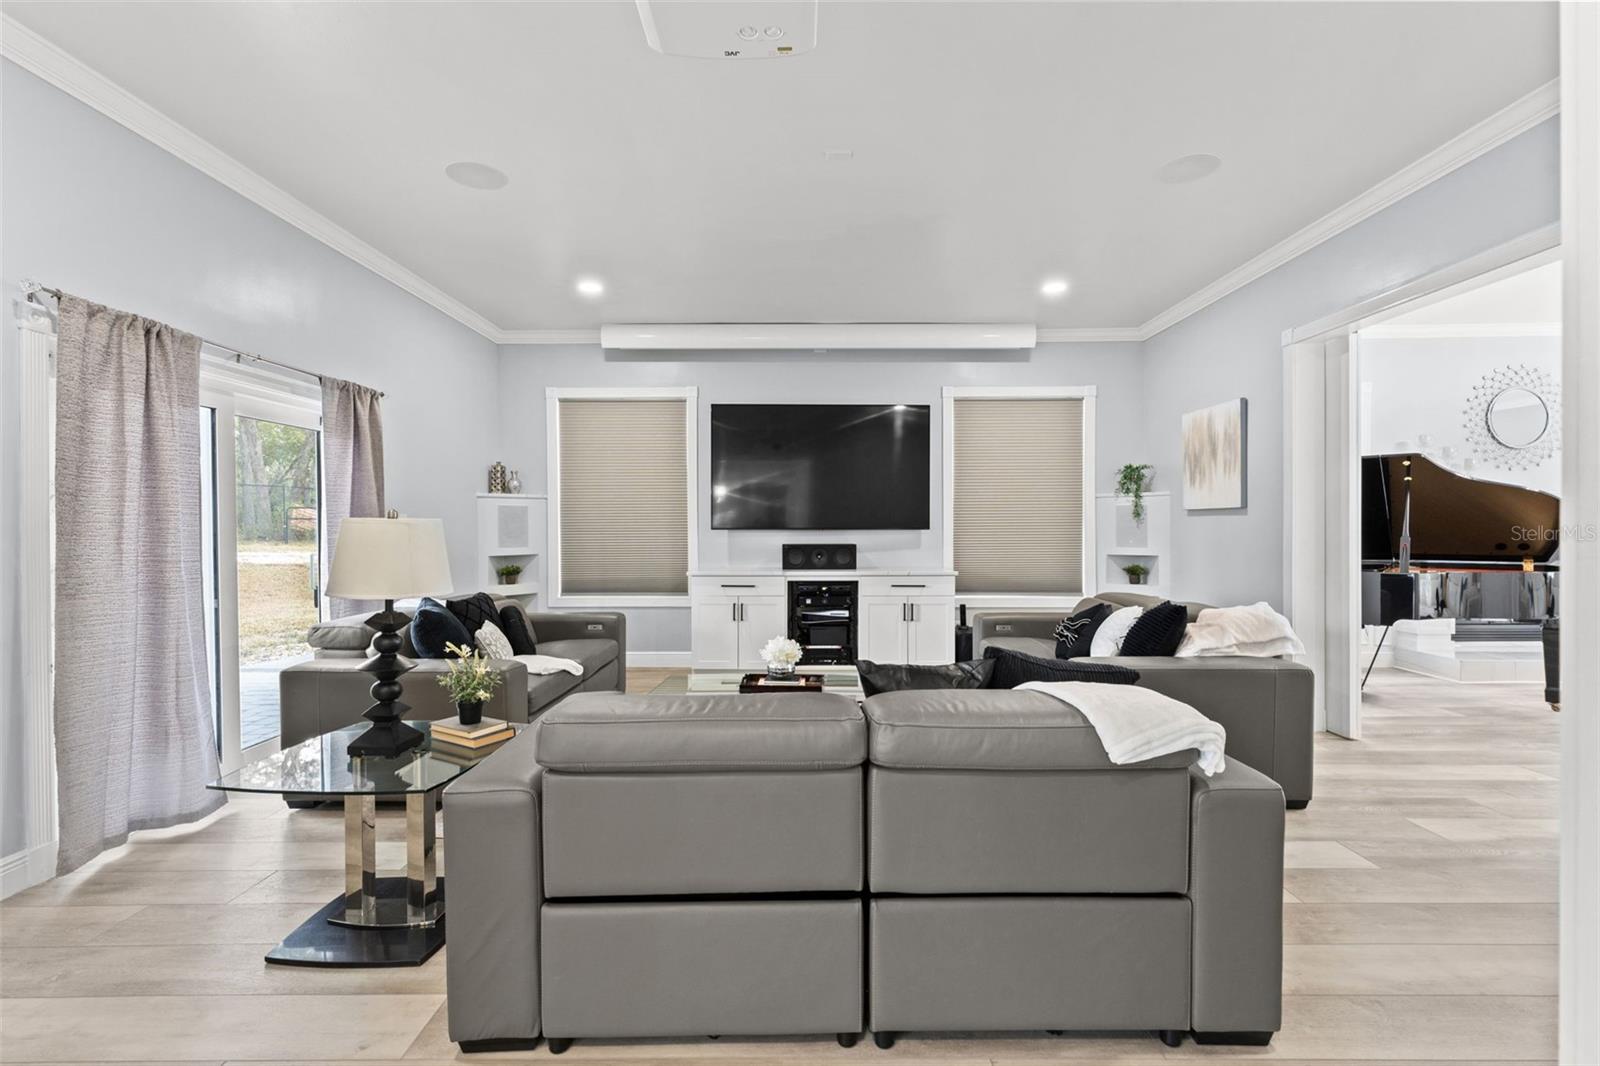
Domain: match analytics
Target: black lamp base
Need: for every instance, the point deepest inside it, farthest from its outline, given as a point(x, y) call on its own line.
point(389, 735)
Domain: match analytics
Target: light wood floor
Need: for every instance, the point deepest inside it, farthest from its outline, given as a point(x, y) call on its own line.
point(1420, 915)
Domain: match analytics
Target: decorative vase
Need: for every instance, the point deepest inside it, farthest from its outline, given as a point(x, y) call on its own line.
point(514, 486)
point(781, 671)
point(470, 713)
point(497, 477)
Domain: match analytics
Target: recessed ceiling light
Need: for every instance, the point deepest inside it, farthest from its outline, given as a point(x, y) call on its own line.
point(1053, 287)
point(476, 175)
point(1188, 168)
point(590, 287)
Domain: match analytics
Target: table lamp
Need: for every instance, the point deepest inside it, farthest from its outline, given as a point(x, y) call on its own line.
point(388, 559)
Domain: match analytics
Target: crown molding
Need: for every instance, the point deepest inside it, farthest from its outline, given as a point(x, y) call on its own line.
point(1518, 117)
point(40, 57)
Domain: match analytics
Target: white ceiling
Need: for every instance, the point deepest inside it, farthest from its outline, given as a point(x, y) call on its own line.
point(1531, 298)
point(994, 144)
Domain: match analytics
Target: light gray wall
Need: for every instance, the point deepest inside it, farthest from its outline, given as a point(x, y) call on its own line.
point(94, 209)
point(807, 377)
point(1234, 347)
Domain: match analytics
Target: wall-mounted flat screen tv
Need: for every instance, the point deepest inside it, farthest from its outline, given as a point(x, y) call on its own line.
point(819, 466)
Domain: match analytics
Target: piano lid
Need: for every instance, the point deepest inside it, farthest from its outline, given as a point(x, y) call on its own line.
point(1454, 519)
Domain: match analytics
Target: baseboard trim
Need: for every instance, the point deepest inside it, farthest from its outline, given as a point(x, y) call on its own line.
point(26, 868)
point(660, 658)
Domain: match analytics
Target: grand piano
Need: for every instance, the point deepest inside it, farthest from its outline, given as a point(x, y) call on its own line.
point(1437, 544)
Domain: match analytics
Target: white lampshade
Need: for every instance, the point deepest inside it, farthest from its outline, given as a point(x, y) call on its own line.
point(389, 559)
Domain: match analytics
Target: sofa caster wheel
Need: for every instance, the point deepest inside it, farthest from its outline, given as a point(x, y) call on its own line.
point(559, 1044)
point(847, 1039)
point(883, 1040)
point(1171, 1037)
point(1244, 1038)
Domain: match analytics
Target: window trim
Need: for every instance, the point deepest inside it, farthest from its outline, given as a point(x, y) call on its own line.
point(690, 395)
point(1086, 393)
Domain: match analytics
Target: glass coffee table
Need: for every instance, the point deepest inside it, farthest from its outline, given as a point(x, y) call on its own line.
point(845, 680)
point(376, 921)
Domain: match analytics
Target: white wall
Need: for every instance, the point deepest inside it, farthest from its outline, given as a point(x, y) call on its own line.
point(98, 211)
point(1234, 347)
point(807, 377)
point(1416, 387)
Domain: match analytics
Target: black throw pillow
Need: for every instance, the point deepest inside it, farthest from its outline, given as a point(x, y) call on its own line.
point(1158, 631)
point(514, 624)
point(1074, 635)
point(1013, 668)
point(474, 611)
point(434, 626)
point(894, 677)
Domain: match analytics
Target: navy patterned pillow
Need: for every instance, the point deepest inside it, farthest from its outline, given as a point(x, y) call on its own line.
point(1075, 634)
point(475, 610)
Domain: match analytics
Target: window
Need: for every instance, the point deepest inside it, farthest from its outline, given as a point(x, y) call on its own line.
point(1020, 490)
point(621, 476)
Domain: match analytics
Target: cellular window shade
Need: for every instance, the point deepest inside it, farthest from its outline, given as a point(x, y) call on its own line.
point(1019, 506)
point(624, 497)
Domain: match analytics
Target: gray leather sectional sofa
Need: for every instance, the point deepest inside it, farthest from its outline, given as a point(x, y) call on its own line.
point(651, 866)
point(1264, 704)
point(330, 691)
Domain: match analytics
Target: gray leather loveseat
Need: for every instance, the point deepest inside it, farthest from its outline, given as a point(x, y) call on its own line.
point(1264, 704)
point(331, 692)
point(651, 866)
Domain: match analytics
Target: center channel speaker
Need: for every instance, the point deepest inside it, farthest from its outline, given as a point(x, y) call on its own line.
point(819, 556)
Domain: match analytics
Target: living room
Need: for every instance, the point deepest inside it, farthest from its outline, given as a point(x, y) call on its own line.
point(804, 410)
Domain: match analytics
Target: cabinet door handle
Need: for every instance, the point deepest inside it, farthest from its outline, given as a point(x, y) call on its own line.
point(741, 612)
point(733, 611)
point(911, 610)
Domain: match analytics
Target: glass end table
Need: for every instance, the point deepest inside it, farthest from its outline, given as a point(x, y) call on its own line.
point(376, 921)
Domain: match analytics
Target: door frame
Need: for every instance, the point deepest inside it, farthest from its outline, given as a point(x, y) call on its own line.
point(1321, 535)
point(234, 391)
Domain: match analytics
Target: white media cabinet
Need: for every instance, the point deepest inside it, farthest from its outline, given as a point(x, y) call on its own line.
point(902, 616)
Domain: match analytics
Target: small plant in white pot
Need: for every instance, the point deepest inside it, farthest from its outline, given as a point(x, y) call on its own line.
point(470, 681)
point(781, 655)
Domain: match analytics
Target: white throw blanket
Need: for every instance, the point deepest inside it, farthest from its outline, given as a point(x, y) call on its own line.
point(1136, 724)
point(549, 664)
point(1256, 631)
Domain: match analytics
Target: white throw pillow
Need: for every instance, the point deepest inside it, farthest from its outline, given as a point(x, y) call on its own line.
point(1108, 638)
point(492, 642)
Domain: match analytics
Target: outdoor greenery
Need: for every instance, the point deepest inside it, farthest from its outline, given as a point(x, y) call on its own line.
point(470, 678)
point(276, 482)
point(1131, 480)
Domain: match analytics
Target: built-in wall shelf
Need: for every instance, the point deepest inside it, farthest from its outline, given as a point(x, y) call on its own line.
point(512, 532)
point(1120, 541)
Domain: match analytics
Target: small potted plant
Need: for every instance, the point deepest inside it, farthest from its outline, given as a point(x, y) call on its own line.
point(508, 573)
point(1136, 573)
point(470, 681)
point(781, 656)
point(1131, 481)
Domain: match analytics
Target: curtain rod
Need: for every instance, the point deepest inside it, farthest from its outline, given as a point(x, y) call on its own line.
point(30, 287)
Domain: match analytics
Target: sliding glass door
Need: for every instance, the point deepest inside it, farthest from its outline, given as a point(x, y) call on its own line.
point(263, 541)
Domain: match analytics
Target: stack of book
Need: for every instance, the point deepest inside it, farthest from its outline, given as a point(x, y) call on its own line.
point(450, 733)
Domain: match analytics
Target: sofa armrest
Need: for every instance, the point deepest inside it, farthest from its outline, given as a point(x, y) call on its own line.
point(988, 624)
point(1236, 889)
point(587, 625)
point(322, 695)
point(492, 825)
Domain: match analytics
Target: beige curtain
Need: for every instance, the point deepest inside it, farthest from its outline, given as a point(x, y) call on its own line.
point(135, 745)
point(352, 469)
